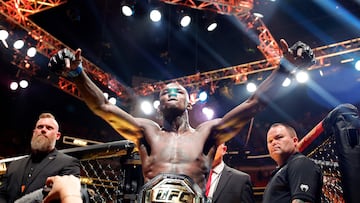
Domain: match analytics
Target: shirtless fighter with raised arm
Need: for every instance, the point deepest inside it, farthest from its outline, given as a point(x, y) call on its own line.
point(176, 158)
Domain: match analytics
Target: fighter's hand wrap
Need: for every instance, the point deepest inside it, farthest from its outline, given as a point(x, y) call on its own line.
point(299, 56)
point(58, 66)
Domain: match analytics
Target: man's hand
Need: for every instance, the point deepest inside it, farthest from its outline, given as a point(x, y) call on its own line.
point(63, 187)
point(298, 55)
point(66, 63)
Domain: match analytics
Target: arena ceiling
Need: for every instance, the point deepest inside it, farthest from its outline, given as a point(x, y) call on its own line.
point(135, 50)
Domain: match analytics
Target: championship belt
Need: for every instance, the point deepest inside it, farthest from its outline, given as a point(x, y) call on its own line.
point(171, 188)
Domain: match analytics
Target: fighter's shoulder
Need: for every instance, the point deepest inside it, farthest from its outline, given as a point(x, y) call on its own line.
point(144, 122)
point(209, 124)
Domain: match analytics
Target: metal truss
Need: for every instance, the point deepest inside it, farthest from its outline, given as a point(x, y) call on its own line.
point(17, 12)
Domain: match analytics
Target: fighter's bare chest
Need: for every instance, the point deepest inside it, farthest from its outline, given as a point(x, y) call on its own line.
point(177, 147)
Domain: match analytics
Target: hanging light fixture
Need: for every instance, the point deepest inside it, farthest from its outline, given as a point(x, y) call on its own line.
point(19, 44)
point(128, 8)
point(4, 34)
point(184, 17)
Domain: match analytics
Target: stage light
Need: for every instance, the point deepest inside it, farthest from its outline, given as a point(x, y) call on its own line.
point(185, 21)
point(286, 82)
point(156, 104)
point(146, 107)
point(27, 64)
point(302, 76)
point(155, 15)
point(23, 83)
point(106, 95)
point(357, 65)
point(19, 44)
point(14, 85)
point(211, 26)
point(127, 10)
point(112, 100)
point(128, 7)
point(251, 87)
point(210, 23)
point(4, 34)
point(258, 15)
point(184, 17)
point(31, 52)
point(209, 113)
point(203, 96)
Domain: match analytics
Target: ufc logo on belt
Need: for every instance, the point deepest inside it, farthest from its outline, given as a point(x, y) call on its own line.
point(172, 195)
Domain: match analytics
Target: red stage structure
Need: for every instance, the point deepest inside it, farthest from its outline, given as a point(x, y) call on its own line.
point(17, 13)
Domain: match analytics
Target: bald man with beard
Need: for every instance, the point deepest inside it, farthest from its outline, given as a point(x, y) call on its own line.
point(28, 174)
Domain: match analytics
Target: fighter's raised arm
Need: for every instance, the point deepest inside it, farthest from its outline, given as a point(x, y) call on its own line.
point(176, 150)
point(68, 64)
point(298, 56)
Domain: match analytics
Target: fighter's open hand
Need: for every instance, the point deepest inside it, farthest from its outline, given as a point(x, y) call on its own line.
point(64, 62)
point(299, 55)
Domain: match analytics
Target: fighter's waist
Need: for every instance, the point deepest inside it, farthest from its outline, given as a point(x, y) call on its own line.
point(171, 188)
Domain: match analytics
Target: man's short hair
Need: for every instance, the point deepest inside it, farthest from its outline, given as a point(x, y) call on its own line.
point(288, 127)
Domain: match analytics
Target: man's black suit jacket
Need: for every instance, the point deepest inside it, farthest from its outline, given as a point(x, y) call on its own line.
point(56, 163)
point(234, 187)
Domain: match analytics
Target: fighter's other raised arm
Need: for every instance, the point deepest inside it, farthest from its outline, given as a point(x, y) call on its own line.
point(298, 56)
point(68, 64)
